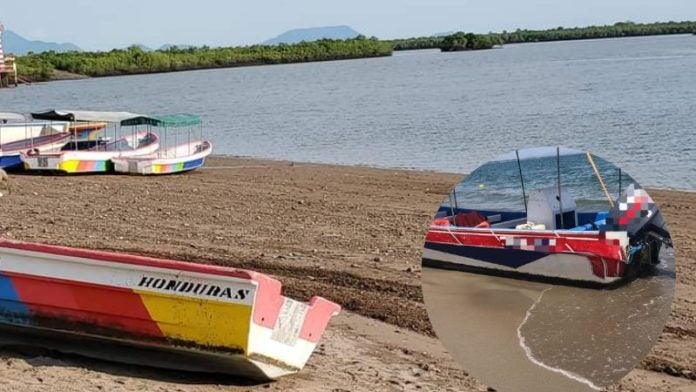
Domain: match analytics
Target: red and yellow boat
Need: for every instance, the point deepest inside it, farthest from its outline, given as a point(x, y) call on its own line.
point(212, 318)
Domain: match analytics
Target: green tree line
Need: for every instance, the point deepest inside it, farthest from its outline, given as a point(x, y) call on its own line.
point(621, 29)
point(134, 60)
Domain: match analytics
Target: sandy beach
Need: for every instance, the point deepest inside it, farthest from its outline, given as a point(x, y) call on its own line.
point(351, 234)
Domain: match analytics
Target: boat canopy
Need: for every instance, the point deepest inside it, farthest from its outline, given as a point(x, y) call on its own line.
point(12, 117)
point(169, 120)
point(83, 115)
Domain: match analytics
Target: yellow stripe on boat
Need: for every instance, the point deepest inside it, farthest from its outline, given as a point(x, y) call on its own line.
point(69, 166)
point(200, 321)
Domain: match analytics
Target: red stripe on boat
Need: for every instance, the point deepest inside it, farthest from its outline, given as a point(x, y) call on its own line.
point(104, 306)
point(98, 255)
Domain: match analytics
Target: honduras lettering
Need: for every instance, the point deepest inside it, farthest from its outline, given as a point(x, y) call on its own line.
point(208, 290)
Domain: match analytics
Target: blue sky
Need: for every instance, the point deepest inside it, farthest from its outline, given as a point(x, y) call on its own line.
point(94, 24)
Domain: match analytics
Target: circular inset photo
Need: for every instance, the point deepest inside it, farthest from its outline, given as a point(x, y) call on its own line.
point(548, 269)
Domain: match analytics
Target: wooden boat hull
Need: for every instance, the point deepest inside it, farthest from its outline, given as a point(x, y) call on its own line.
point(154, 164)
point(87, 131)
point(588, 257)
point(218, 314)
point(89, 161)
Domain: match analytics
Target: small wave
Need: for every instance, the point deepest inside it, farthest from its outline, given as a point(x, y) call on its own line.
point(530, 355)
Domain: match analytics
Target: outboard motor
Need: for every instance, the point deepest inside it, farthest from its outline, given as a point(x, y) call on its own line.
point(636, 213)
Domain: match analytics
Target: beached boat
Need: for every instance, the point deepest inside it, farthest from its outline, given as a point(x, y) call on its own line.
point(97, 156)
point(12, 154)
point(212, 318)
point(550, 240)
point(15, 127)
point(177, 159)
point(93, 160)
point(22, 137)
point(174, 159)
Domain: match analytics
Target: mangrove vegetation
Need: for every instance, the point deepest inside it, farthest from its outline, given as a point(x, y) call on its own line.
point(134, 60)
point(458, 41)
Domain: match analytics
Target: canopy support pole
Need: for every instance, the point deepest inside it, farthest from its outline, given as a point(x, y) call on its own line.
point(524, 194)
point(558, 172)
point(599, 177)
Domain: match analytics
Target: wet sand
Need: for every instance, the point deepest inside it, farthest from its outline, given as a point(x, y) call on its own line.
point(352, 234)
point(548, 337)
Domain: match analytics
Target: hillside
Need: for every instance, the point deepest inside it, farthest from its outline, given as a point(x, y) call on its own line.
point(313, 34)
point(15, 43)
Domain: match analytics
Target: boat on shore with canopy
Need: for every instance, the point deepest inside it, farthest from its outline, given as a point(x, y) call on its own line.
point(92, 156)
point(16, 126)
point(18, 136)
point(176, 156)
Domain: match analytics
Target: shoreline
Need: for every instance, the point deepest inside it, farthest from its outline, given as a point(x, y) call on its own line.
point(407, 169)
point(62, 75)
point(353, 234)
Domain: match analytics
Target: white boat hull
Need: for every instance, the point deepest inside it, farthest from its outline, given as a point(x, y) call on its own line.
point(177, 159)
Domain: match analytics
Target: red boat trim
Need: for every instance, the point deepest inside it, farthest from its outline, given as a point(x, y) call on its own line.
point(123, 258)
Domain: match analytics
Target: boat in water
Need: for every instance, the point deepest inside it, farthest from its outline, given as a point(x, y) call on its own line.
point(92, 156)
point(177, 158)
point(551, 240)
point(202, 317)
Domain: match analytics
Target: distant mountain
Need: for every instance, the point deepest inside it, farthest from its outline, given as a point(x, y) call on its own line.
point(15, 43)
point(313, 34)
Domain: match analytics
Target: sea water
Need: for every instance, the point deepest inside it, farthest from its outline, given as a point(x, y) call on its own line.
point(629, 100)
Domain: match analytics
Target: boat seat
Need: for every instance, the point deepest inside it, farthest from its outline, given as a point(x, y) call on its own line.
point(441, 222)
point(469, 219)
point(600, 220)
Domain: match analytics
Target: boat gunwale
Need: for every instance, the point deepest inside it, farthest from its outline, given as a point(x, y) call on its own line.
point(162, 160)
point(131, 259)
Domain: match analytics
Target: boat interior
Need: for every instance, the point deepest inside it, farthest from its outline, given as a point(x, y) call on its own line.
point(185, 149)
point(585, 221)
point(130, 142)
point(29, 143)
point(545, 211)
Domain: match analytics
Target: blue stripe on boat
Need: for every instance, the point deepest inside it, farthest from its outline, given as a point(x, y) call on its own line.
point(196, 163)
point(513, 258)
point(12, 309)
point(7, 161)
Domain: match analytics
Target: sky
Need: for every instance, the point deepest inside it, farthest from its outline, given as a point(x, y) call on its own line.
point(103, 25)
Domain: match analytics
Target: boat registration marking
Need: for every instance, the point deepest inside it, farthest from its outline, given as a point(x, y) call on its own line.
point(290, 319)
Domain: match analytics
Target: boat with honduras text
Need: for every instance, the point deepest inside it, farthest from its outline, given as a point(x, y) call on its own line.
point(177, 157)
point(165, 313)
point(92, 156)
point(551, 240)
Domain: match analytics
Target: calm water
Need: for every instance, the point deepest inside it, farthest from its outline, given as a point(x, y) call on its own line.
point(629, 100)
point(496, 185)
